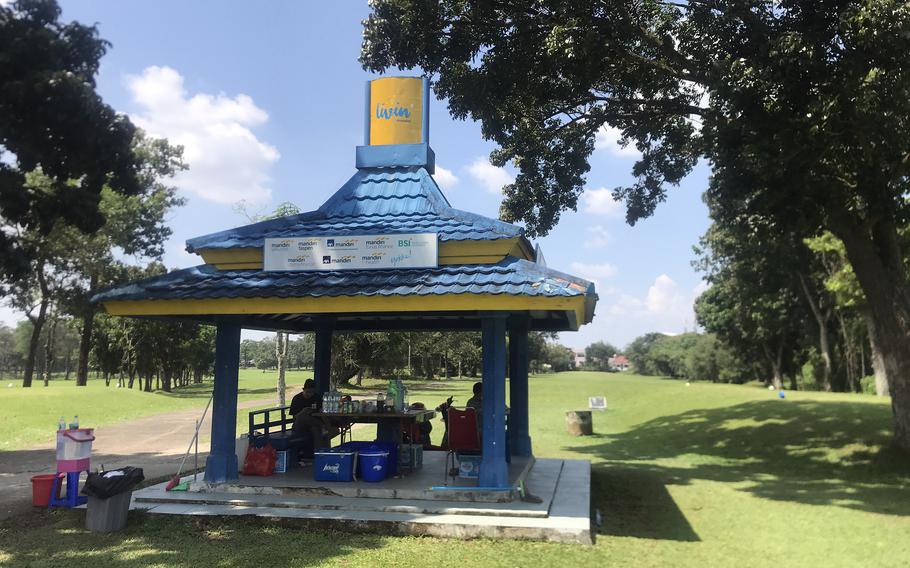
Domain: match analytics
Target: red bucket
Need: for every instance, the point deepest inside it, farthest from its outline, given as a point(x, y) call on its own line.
point(42, 486)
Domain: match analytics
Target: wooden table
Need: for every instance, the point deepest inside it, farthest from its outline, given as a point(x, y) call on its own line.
point(389, 424)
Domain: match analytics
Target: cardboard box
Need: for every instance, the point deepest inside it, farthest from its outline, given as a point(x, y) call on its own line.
point(468, 467)
point(281, 463)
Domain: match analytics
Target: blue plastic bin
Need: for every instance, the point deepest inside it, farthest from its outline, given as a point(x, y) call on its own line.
point(390, 447)
point(373, 464)
point(334, 464)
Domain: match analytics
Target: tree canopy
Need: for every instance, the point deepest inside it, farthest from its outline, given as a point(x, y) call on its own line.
point(53, 120)
point(802, 109)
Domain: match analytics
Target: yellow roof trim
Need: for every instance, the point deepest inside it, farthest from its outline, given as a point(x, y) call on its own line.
point(450, 252)
point(351, 304)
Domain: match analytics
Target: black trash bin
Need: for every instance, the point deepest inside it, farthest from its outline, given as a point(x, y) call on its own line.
point(109, 494)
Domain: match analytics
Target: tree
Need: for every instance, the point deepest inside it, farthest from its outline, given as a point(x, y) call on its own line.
point(52, 118)
point(598, 354)
point(801, 108)
point(68, 266)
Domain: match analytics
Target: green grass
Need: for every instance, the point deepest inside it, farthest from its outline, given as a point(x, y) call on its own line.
point(705, 475)
point(29, 416)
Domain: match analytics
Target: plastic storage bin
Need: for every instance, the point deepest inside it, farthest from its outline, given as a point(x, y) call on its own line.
point(74, 449)
point(334, 464)
point(373, 464)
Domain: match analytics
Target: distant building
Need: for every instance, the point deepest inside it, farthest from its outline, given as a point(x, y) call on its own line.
point(578, 356)
point(618, 363)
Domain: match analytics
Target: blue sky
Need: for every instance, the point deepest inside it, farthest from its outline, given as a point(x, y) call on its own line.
point(267, 99)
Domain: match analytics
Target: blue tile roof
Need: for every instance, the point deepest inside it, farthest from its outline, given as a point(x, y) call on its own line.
point(511, 276)
point(374, 200)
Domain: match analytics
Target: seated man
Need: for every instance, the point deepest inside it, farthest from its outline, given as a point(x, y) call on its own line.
point(303, 405)
point(476, 402)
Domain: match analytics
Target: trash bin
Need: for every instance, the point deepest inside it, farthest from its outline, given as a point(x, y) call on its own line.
point(109, 494)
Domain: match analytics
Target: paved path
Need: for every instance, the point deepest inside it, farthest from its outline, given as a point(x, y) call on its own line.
point(154, 443)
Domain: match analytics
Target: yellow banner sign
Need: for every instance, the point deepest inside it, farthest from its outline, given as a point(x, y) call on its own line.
point(396, 111)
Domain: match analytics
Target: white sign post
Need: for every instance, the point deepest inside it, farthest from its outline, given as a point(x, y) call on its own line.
point(361, 252)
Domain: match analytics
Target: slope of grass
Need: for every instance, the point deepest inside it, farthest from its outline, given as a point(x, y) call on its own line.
point(29, 416)
point(705, 475)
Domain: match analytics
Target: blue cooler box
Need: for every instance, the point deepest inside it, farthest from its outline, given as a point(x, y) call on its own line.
point(334, 464)
point(390, 447)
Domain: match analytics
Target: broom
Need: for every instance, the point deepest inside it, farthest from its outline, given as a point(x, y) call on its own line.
point(175, 481)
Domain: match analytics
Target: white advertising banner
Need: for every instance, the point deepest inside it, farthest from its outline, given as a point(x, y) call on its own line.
point(361, 252)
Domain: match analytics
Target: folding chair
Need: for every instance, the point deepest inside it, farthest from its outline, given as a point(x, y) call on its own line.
point(463, 436)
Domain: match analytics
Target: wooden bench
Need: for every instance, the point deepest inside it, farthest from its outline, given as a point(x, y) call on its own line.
point(274, 426)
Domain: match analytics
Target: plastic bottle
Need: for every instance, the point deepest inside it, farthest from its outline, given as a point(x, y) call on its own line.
point(75, 423)
point(61, 424)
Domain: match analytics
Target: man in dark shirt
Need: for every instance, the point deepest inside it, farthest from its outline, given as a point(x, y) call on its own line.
point(476, 402)
point(303, 405)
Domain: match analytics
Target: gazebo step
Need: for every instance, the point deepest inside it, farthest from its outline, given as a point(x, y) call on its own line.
point(416, 507)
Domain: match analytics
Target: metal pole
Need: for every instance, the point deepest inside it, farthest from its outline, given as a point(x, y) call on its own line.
point(196, 457)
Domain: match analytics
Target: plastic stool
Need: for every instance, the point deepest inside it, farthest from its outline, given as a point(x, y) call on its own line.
point(71, 498)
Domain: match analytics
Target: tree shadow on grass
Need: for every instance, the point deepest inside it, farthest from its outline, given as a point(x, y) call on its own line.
point(637, 504)
point(831, 453)
point(58, 537)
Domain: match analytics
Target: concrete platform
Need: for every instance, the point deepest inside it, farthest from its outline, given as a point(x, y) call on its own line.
point(424, 483)
point(555, 508)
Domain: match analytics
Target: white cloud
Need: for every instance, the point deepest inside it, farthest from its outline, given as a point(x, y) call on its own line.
point(9, 316)
point(227, 162)
point(600, 202)
point(445, 178)
point(598, 237)
point(607, 138)
point(489, 176)
point(593, 272)
point(663, 296)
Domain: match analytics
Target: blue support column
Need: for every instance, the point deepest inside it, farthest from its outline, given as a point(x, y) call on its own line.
point(322, 363)
point(494, 471)
point(519, 439)
point(221, 465)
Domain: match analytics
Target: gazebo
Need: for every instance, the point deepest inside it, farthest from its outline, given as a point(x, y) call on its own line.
point(348, 266)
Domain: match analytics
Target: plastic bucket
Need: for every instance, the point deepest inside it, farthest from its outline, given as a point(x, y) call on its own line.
point(373, 465)
point(42, 486)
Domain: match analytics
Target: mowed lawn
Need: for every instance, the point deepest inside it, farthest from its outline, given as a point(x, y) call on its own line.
point(700, 475)
point(29, 416)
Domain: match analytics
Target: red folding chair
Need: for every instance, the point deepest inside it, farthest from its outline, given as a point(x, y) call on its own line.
point(463, 436)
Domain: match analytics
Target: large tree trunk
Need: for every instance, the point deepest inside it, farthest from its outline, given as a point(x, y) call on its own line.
point(85, 346)
point(821, 319)
point(878, 360)
point(281, 353)
point(775, 360)
point(37, 325)
point(85, 340)
point(49, 351)
point(877, 262)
